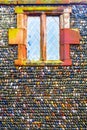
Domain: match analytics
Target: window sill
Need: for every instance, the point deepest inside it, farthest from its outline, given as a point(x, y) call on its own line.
point(37, 63)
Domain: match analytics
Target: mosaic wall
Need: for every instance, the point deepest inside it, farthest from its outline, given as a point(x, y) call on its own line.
point(43, 98)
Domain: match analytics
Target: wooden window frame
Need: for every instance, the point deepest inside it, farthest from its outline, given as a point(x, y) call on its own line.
point(43, 42)
point(19, 35)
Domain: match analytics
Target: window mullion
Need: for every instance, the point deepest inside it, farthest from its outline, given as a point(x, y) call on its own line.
point(43, 37)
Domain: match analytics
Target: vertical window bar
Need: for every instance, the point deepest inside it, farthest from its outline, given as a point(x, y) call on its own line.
point(43, 37)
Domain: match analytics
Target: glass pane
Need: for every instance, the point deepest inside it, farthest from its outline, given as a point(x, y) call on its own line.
point(33, 38)
point(52, 38)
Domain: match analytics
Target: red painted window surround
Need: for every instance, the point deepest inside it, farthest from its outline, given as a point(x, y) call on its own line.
point(68, 36)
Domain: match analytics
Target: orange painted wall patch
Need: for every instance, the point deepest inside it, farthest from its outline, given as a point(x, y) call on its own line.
point(16, 36)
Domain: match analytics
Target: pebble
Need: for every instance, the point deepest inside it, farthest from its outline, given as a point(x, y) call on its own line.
point(43, 97)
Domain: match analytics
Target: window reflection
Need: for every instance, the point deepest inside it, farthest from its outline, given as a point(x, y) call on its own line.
point(33, 38)
point(52, 38)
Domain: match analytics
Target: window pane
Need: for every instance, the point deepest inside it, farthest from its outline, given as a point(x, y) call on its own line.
point(52, 38)
point(33, 38)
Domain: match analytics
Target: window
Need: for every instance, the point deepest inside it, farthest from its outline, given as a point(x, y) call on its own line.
point(53, 35)
point(47, 35)
point(33, 38)
point(43, 35)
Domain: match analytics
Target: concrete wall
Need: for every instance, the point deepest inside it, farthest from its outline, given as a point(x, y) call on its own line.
point(43, 98)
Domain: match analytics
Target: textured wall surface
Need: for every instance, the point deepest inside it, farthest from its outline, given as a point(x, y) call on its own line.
point(43, 98)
